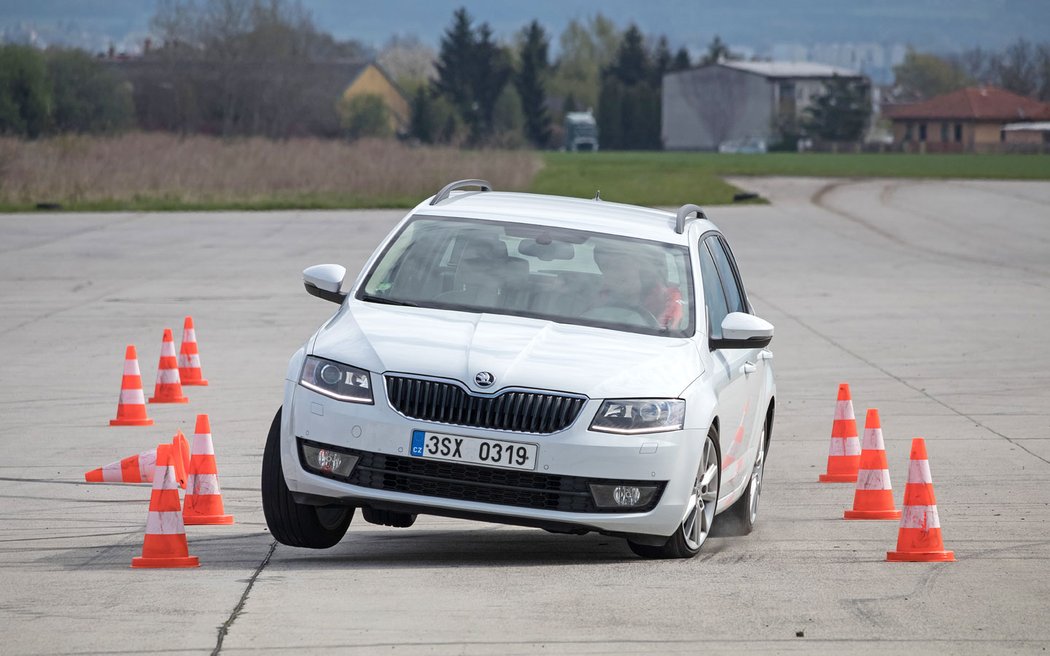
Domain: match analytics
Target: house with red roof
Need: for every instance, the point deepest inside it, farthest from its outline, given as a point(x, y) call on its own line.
point(967, 120)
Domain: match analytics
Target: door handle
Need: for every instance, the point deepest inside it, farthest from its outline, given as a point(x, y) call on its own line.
point(765, 355)
point(748, 368)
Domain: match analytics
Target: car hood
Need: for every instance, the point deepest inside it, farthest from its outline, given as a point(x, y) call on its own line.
point(517, 351)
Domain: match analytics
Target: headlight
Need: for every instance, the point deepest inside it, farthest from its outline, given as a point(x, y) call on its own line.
point(336, 380)
point(634, 416)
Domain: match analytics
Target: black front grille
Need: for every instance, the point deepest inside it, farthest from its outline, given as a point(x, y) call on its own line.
point(447, 403)
point(503, 487)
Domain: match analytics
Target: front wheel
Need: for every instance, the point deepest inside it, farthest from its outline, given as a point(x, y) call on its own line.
point(739, 519)
point(696, 527)
point(292, 523)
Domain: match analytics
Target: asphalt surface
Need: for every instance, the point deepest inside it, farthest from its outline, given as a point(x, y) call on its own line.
point(932, 299)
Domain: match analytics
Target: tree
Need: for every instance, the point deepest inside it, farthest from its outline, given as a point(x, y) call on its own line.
point(586, 50)
point(492, 71)
point(365, 115)
point(631, 65)
point(629, 102)
point(840, 113)
point(87, 97)
point(681, 60)
point(25, 96)
point(662, 60)
point(1017, 68)
point(717, 51)
point(1044, 72)
point(408, 60)
point(922, 75)
point(456, 61)
point(508, 120)
point(530, 82)
point(241, 67)
point(423, 123)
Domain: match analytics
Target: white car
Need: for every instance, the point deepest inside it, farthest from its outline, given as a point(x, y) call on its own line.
point(568, 364)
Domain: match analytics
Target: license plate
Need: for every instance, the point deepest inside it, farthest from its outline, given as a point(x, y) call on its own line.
point(474, 450)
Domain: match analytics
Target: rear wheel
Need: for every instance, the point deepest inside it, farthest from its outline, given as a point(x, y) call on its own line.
point(696, 527)
point(292, 523)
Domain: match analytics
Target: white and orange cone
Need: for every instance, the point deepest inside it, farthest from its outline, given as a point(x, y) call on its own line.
point(873, 498)
point(844, 451)
point(203, 495)
point(169, 385)
point(919, 538)
point(165, 542)
point(131, 408)
point(189, 356)
point(140, 468)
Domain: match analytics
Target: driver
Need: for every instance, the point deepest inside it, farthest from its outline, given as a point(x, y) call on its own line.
point(633, 280)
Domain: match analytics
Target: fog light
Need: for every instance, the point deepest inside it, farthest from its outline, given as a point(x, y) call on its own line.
point(623, 496)
point(328, 461)
point(626, 495)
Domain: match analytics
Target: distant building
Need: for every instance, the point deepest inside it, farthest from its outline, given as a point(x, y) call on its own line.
point(735, 101)
point(1035, 134)
point(370, 78)
point(970, 119)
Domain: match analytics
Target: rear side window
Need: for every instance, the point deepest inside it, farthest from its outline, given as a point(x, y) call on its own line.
point(714, 295)
point(735, 299)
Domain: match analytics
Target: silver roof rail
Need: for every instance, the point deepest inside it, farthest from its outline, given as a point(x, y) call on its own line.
point(447, 190)
point(683, 214)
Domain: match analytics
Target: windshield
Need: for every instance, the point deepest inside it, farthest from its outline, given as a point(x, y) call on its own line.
point(567, 276)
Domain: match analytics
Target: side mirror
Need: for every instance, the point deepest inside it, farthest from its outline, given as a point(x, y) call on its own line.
point(324, 281)
point(743, 331)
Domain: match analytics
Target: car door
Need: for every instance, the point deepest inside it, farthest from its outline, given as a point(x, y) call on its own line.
point(732, 377)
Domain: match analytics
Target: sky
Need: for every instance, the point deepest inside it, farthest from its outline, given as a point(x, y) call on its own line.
point(757, 25)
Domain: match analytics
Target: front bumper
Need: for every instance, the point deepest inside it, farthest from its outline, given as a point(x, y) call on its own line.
point(577, 453)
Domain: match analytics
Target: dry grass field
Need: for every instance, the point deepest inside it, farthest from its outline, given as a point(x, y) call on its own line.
point(152, 171)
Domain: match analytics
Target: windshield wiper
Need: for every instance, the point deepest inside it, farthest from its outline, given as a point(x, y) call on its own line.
point(387, 301)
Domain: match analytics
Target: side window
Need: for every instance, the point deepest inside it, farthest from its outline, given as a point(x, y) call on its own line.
point(713, 295)
point(735, 299)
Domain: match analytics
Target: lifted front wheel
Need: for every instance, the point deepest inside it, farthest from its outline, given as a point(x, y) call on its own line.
point(292, 523)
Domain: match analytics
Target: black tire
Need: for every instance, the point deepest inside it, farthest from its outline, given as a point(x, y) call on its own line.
point(739, 519)
point(291, 523)
point(686, 543)
point(388, 518)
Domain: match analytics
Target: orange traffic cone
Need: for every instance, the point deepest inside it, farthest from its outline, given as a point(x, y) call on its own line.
point(169, 386)
point(873, 498)
point(844, 452)
point(165, 542)
point(919, 537)
point(203, 496)
point(139, 469)
point(189, 357)
point(131, 408)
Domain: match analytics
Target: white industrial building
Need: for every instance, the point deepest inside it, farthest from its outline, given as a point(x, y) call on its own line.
point(738, 100)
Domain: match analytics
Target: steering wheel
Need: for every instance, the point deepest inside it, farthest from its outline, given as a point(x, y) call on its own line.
point(647, 317)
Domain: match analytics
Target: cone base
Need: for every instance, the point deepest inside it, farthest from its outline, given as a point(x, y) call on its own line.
point(871, 514)
point(179, 561)
point(130, 422)
point(198, 520)
point(838, 478)
point(195, 383)
point(920, 557)
point(179, 400)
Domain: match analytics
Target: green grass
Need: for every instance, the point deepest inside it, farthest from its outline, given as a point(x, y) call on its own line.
point(674, 178)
